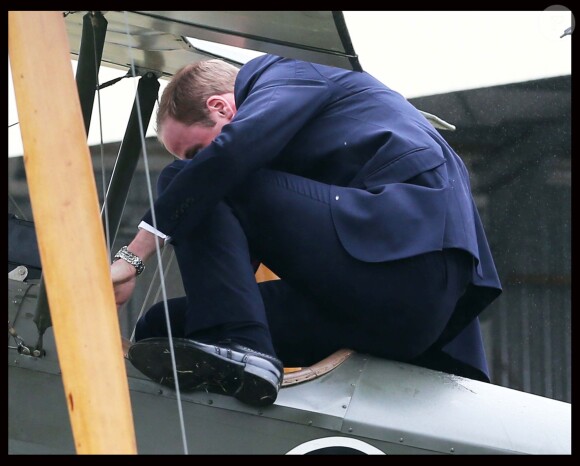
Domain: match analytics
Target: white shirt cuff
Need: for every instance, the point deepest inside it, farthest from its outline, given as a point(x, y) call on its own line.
point(150, 229)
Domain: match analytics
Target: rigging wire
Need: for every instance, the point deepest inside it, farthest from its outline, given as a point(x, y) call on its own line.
point(146, 300)
point(157, 250)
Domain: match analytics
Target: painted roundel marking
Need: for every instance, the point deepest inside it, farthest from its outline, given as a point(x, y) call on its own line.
point(335, 446)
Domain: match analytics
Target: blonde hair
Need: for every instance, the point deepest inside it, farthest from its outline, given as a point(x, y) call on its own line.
point(184, 98)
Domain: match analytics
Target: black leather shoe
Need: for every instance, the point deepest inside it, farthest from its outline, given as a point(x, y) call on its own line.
point(227, 368)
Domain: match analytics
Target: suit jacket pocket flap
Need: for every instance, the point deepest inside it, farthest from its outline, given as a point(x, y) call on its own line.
point(405, 167)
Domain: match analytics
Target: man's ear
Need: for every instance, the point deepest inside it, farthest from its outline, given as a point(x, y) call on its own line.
point(220, 106)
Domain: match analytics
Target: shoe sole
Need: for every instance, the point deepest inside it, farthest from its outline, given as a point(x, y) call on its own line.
point(259, 385)
point(250, 382)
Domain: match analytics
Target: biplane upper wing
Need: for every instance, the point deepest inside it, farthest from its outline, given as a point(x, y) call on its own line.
point(158, 41)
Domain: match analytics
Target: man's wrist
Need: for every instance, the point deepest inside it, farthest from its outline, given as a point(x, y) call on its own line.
point(131, 258)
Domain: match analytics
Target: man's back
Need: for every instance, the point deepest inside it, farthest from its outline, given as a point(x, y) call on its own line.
point(358, 119)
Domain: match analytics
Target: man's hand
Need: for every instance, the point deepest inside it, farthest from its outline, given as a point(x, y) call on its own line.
point(124, 274)
point(124, 279)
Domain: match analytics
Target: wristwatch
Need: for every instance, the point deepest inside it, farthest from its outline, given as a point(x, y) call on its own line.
point(128, 256)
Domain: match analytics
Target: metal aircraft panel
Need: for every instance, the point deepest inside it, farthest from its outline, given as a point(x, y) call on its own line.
point(446, 413)
point(157, 40)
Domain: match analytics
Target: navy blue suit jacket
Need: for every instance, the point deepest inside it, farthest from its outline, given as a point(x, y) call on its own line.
point(403, 190)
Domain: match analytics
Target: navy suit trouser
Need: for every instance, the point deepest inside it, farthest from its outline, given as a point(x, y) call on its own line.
point(326, 299)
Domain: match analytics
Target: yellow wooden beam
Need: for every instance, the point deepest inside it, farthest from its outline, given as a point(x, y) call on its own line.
point(70, 234)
